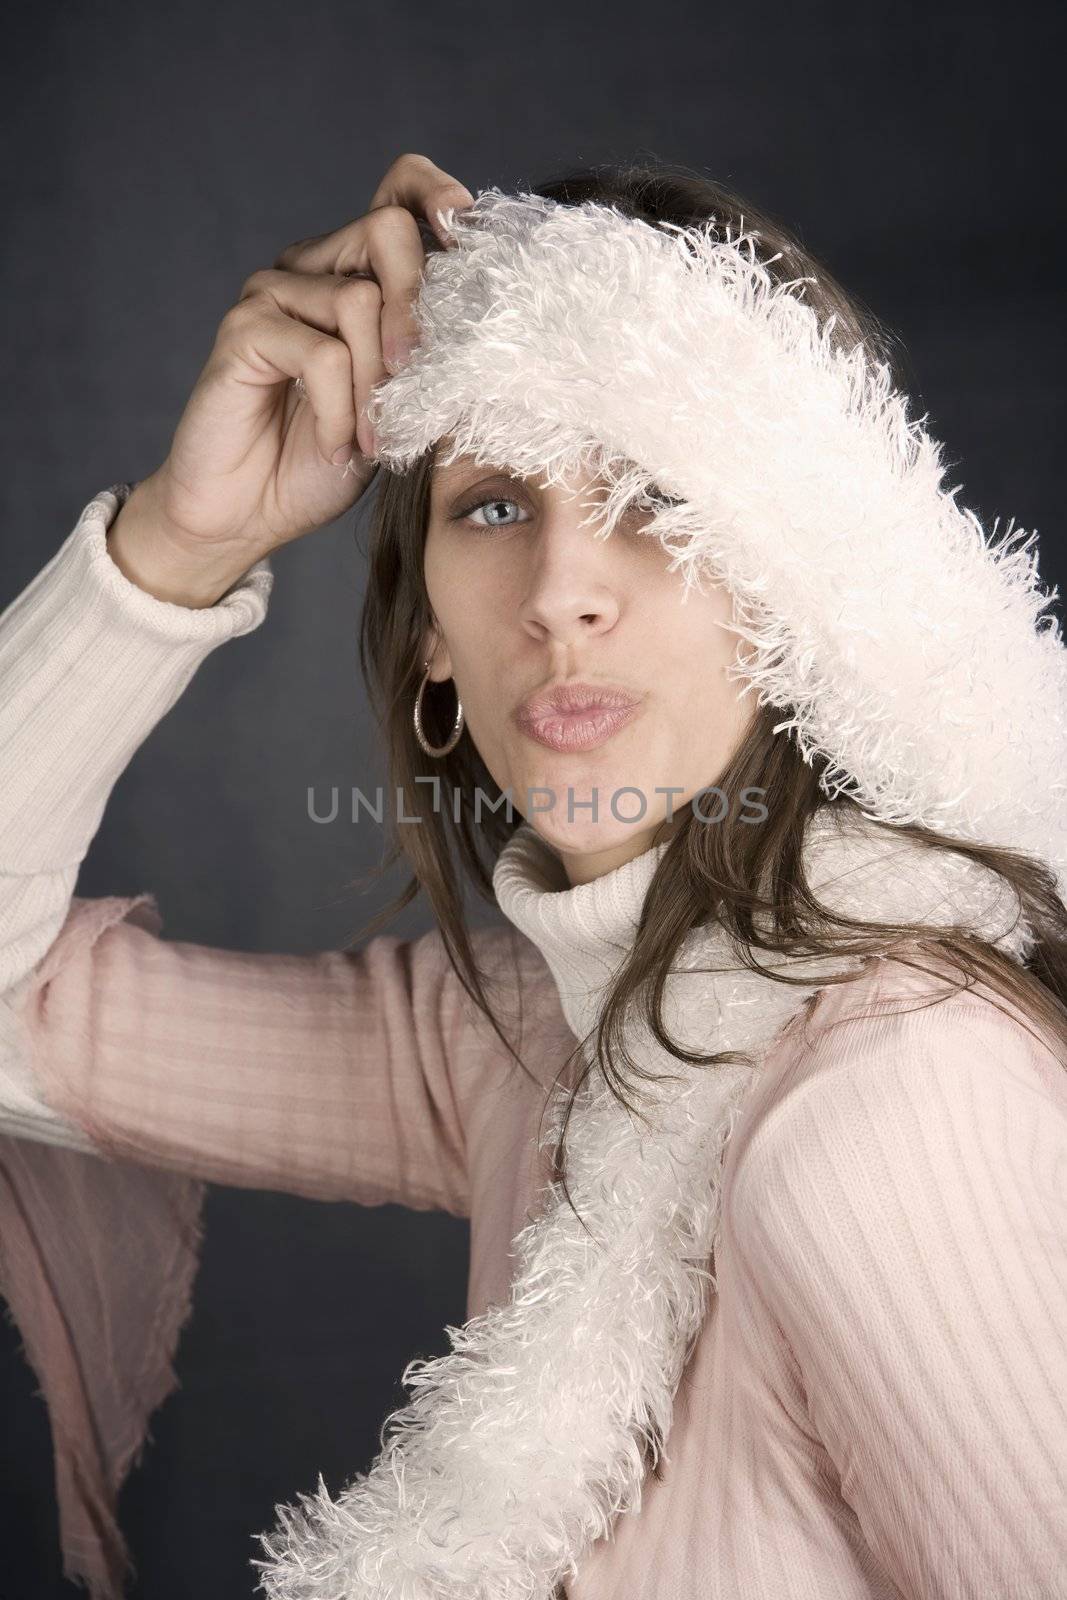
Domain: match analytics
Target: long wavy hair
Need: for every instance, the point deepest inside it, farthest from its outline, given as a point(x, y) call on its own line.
point(732, 872)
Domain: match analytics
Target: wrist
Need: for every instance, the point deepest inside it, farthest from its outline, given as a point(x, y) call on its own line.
point(154, 556)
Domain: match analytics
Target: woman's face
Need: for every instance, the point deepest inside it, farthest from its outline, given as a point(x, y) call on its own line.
point(524, 601)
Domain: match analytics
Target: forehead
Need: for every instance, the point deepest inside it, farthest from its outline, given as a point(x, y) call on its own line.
point(444, 472)
point(443, 475)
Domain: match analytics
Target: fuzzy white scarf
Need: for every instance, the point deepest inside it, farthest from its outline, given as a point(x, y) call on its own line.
point(524, 1443)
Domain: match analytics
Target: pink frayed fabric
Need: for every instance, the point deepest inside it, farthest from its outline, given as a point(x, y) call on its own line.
point(97, 1266)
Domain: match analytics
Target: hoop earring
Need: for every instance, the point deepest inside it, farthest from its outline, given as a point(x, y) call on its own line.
point(457, 726)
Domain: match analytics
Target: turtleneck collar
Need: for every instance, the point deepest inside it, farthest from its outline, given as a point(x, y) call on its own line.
point(582, 930)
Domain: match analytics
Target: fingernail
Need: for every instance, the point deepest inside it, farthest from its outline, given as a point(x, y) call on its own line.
point(342, 455)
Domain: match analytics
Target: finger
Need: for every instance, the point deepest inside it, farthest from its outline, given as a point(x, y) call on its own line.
point(275, 346)
point(413, 182)
point(359, 316)
point(387, 243)
point(309, 296)
point(350, 307)
point(416, 182)
point(396, 257)
point(384, 245)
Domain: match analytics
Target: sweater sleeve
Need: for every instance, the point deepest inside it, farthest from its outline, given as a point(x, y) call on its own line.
point(903, 1218)
point(89, 663)
point(324, 1075)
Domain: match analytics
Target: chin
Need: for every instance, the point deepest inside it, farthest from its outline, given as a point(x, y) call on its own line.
point(583, 836)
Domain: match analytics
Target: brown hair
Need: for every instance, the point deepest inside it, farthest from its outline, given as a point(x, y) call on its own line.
point(707, 872)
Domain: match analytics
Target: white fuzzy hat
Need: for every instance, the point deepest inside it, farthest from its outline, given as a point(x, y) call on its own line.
point(908, 650)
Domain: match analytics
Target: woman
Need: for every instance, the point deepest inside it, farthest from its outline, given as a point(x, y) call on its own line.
point(855, 1141)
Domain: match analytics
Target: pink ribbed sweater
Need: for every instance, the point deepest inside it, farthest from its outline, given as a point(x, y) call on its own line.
point(877, 1405)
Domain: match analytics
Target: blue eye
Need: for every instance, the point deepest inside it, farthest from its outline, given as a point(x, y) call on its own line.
point(492, 501)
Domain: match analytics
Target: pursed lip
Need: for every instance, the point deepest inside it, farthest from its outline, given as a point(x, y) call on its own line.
point(576, 716)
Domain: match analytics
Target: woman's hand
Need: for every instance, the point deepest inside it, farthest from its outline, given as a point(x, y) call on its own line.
point(252, 462)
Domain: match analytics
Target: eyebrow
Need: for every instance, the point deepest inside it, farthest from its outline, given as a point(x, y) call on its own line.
point(457, 469)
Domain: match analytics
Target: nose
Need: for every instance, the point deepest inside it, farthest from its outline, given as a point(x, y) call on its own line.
point(572, 589)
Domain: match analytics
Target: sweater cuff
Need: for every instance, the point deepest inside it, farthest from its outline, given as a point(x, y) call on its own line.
point(90, 663)
point(242, 608)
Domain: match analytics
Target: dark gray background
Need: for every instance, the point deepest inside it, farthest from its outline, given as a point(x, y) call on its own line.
point(157, 156)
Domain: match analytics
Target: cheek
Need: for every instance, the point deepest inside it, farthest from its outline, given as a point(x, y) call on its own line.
point(457, 576)
point(471, 618)
point(693, 649)
point(437, 573)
